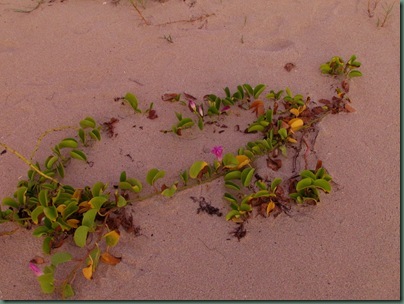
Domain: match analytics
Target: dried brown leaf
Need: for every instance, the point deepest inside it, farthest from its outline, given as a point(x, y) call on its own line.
point(274, 164)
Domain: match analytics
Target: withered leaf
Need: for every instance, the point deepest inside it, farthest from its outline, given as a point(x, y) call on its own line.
point(349, 109)
point(258, 107)
point(325, 101)
point(152, 114)
point(38, 260)
point(345, 86)
point(189, 96)
point(274, 164)
point(289, 66)
point(317, 110)
point(109, 259)
point(170, 97)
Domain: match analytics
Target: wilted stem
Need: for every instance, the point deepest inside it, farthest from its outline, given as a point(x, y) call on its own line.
point(20, 156)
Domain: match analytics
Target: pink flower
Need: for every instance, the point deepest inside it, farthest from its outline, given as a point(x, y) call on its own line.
point(217, 151)
point(192, 106)
point(37, 271)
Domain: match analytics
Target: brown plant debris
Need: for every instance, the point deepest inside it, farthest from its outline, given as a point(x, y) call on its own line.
point(205, 206)
point(289, 66)
point(239, 232)
point(109, 127)
point(120, 218)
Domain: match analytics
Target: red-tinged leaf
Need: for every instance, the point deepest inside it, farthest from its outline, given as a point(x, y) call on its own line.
point(152, 115)
point(258, 107)
point(325, 101)
point(349, 109)
point(170, 97)
point(109, 259)
point(345, 86)
point(189, 96)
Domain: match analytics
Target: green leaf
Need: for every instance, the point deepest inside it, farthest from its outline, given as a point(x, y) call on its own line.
point(275, 183)
point(258, 90)
point(256, 128)
point(82, 135)
point(8, 201)
point(308, 173)
point(320, 173)
point(51, 213)
point(68, 143)
point(304, 183)
point(231, 185)
point(121, 202)
point(236, 174)
point(98, 188)
point(87, 122)
point(246, 176)
point(169, 192)
point(132, 100)
point(80, 236)
point(184, 177)
point(249, 89)
point(185, 123)
point(67, 291)
point(200, 123)
point(46, 245)
point(95, 134)
point(354, 73)
point(89, 217)
point(230, 198)
point(46, 281)
point(36, 213)
point(20, 195)
point(229, 160)
point(77, 154)
point(283, 133)
point(40, 231)
point(136, 184)
point(153, 175)
point(61, 170)
point(227, 91)
point(51, 161)
point(231, 214)
point(122, 177)
point(322, 184)
point(60, 257)
point(97, 202)
point(196, 168)
point(43, 197)
point(245, 207)
point(262, 193)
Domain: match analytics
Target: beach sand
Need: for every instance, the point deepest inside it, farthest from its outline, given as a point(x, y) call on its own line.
point(69, 59)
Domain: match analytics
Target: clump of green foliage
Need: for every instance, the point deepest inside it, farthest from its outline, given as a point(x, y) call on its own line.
point(93, 216)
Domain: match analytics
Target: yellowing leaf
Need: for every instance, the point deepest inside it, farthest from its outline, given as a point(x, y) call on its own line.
point(242, 161)
point(61, 208)
point(294, 111)
point(296, 123)
point(84, 206)
point(73, 223)
point(109, 259)
point(77, 194)
point(292, 140)
point(112, 238)
point(88, 272)
point(270, 207)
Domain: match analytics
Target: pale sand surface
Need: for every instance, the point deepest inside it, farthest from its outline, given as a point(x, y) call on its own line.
point(70, 59)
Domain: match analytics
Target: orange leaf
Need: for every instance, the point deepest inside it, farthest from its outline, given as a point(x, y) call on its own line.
point(108, 258)
point(88, 272)
point(258, 107)
point(270, 207)
point(242, 161)
point(349, 108)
